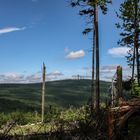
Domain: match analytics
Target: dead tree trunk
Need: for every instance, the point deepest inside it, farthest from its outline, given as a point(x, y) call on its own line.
point(119, 84)
point(43, 92)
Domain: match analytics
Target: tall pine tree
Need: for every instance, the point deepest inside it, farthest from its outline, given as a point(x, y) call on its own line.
point(129, 13)
point(89, 8)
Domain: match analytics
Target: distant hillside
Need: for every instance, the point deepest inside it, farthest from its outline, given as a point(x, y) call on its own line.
point(27, 97)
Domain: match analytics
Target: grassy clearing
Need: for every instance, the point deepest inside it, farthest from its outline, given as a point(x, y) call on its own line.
point(66, 120)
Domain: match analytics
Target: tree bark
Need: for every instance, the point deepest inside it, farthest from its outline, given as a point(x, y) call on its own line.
point(133, 65)
point(43, 93)
point(92, 84)
point(136, 37)
point(97, 58)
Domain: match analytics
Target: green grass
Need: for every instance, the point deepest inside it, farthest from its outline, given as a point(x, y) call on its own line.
point(64, 93)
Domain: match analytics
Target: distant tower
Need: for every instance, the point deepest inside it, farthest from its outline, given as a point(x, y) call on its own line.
point(78, 77)
point(43, 92)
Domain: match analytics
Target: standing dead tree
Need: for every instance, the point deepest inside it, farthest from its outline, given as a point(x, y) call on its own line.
point(43, 92)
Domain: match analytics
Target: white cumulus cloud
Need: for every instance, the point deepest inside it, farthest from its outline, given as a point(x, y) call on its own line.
point(12, 78)
point(11, 29)
point(119, 51)
point(108, 68)
point(108, 71)
point(54, 75)
point(76, 54)
point(34, 78)
point(30, 78)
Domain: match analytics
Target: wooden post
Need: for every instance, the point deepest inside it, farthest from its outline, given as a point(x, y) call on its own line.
point(43, 92)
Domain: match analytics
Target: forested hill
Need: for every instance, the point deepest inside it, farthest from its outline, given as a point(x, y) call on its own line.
point(63, 93)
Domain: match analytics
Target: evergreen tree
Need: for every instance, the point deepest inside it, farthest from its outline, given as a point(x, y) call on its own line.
point(89, 8)
point(129, 13)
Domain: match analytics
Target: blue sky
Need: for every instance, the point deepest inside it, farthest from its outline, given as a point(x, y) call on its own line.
point(37, 31)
